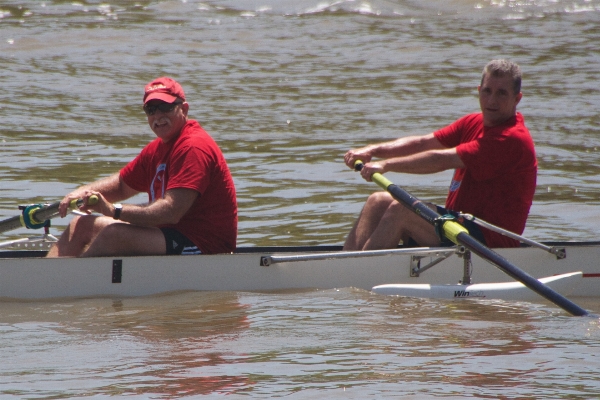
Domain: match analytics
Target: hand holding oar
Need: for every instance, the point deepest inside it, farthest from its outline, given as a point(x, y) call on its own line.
point(35, 216)
point(455, 232)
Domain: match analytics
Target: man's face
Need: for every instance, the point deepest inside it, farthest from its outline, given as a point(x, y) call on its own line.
point(497, 99)
point(166, 119)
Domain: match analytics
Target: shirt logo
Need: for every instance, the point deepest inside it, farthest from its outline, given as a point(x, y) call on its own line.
point(157, 187)
point(454, 185)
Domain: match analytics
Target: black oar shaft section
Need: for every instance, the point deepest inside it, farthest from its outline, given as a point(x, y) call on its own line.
point(484, 252)
point(459, 235)
point(417, 205)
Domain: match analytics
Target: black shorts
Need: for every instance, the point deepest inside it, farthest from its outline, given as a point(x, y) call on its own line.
point(177, 243)
point(472, 227)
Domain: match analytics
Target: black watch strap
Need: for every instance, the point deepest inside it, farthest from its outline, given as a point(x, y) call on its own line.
point(118, 209)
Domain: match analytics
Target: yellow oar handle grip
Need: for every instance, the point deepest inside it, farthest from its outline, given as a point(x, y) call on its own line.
point(76, 203)
point(379, 179)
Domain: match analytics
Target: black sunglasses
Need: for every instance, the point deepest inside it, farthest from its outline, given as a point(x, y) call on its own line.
point(162, 107)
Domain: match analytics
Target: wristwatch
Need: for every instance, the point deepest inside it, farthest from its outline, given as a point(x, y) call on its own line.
point(118, 209)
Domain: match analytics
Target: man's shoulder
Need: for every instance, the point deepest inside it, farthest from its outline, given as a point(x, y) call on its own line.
point(517, 128)
point(195, 140)
point(464, 128)
point(473, 118)
point(193, 134)
point(192, 127)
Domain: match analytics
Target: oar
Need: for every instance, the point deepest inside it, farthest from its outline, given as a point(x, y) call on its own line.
point(36, 215)
point(459, 235)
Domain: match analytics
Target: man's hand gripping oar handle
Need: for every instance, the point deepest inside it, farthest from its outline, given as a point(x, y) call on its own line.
point(36, 216)
point(459, 235)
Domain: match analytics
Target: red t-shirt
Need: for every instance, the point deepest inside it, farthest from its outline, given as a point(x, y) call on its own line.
point(192, 161)
point(499, 180)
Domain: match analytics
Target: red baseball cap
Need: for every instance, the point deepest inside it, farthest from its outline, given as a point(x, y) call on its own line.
point(163, 88)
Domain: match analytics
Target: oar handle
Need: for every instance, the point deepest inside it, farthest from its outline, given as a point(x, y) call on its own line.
point(76, 203)
point(379, 179)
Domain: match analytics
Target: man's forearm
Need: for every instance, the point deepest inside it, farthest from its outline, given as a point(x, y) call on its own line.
point(427, 162)
point(111, 187)
point(405, 146)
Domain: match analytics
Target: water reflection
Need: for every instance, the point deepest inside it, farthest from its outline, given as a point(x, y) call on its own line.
point(280, 343)
point(166, 345)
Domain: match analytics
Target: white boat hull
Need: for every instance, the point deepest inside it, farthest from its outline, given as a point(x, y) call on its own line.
point(33, 277)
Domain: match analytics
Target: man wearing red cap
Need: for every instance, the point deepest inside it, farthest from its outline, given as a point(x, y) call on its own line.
point(191, 196)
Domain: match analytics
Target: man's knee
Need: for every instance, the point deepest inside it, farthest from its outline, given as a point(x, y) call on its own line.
point(83, 222)
point(380, 199)
point(82, 228)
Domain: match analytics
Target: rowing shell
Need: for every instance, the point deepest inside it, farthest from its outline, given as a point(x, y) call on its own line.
point(25, 274)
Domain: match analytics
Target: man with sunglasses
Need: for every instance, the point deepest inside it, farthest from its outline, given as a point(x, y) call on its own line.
point(494, 162)
point(192, 207)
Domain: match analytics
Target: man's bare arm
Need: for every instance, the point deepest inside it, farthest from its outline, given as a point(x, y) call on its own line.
point(112, 188)
point(427, 162)
point(396, 148)
point(168, 210)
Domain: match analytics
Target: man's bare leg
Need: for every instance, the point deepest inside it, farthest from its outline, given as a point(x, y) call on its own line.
point(400, 223)
point(89, 236)
point(384, 222)
point(79, 234)
point(372, 212)
point(127, 240)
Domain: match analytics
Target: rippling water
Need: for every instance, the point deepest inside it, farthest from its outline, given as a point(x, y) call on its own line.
point(286, 87)
point(313, 344)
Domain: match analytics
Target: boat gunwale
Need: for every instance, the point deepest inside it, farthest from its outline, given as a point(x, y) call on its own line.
point(30, 253)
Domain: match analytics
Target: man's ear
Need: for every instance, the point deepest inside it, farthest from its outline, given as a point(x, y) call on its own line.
point(519, 97)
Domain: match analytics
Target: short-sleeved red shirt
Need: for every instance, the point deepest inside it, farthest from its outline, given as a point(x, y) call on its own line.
point(192, 161)
point(498, 182)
